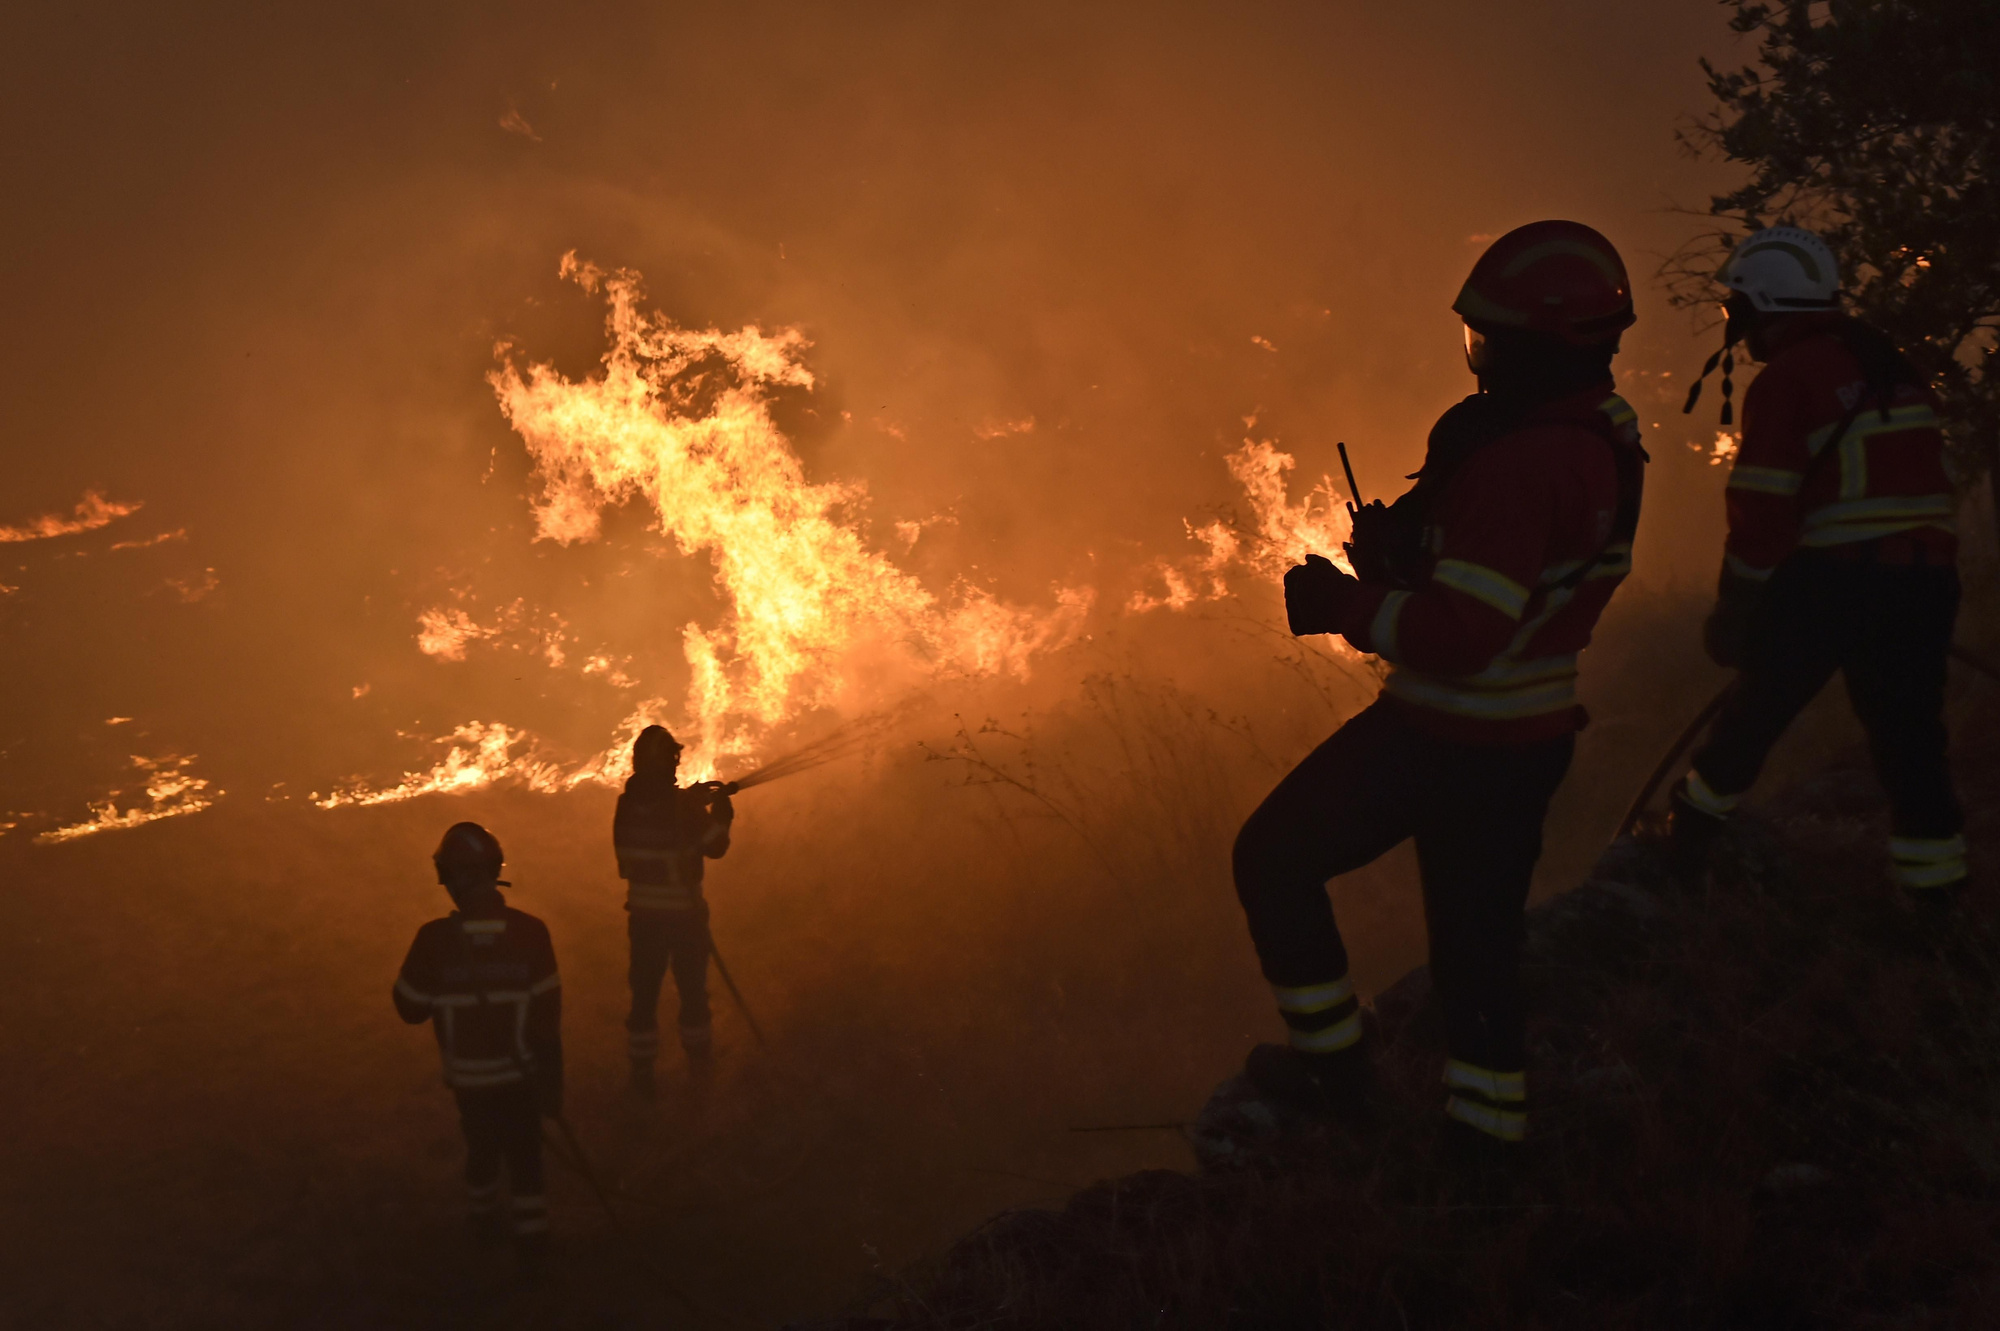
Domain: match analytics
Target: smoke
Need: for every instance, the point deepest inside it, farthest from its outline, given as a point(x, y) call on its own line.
point(1036, 266)
point(932, 397)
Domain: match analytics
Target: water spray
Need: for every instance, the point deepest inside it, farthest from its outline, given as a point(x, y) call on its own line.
point(838, 743)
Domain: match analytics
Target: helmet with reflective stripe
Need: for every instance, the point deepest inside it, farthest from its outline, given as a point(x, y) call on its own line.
point(1785, 270)
point(1554, 277)
point(656, 750)
point(468, 854)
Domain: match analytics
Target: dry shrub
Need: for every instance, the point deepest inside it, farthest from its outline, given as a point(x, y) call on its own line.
point(1764, 1097)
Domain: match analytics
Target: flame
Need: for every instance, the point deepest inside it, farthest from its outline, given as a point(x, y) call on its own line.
point(92, 512)
point(445, 634)
point(484, 755)
point(998, 429)
point(1280, 533)
point(179, 534)
point(613, 671)
point(171, 790)
point(487, 754)
point(680, 420)
point(191, 589)
point(1724, 449)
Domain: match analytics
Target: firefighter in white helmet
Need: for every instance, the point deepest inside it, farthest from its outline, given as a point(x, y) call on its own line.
point(1841, 555)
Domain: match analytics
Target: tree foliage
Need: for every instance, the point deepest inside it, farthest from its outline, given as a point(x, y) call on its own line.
point(1877, 124)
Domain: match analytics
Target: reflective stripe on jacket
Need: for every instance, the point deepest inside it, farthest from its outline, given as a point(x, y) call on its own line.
point(489, 986)
point(1523, 560)
point(1886, 474)
point(662, 833)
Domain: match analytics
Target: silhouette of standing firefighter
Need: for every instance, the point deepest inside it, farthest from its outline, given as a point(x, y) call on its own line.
point(1842, 556)
point(662, 832)
point(485, 978)
point(1479, 588)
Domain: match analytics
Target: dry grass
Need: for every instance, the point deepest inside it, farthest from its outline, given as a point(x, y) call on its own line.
point(1764, 1099)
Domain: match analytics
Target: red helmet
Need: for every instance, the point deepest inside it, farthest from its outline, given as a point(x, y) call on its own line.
point(1560, 278)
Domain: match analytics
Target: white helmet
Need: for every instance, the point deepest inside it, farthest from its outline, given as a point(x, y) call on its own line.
point(1785, 270)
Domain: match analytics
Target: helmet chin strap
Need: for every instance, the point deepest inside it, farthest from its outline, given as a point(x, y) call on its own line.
point(1733, 330)
point(1727, 358)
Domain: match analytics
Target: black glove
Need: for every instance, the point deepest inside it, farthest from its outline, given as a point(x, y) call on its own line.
point(721, 809)
point(1316, 596)
point(1728, 626)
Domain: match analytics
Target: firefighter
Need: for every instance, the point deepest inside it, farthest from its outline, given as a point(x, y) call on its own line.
point(662, 832)
point(1478, 588)
point(1841, 556)
point(485, 977)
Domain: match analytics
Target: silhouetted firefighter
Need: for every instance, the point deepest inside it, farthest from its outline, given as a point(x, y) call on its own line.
point(1841, 556)
point(662, 832)
point(485, 977)
point(1479, 588)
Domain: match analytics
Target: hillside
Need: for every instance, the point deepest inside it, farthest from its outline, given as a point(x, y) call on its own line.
point(1764, 1098)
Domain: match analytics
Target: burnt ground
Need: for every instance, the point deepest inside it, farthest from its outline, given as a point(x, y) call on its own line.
point(1765, 1096)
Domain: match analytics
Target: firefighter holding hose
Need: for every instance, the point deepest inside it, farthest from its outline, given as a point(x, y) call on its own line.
point(1478, 588)
point(662, 833)
point(485, 978)
point(1841, 556)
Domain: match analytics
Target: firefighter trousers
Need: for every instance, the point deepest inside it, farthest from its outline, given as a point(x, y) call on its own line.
point(1887, 628)
point(663, 939)
point(503, 1127)
point(1476, 814)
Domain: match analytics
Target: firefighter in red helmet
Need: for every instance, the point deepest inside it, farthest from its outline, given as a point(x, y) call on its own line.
point(1841, 557)
point(1478, 588)
point(485, 978)
point(662, 833)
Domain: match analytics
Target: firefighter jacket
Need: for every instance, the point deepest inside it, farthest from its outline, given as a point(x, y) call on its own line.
point(662, 833)
point(487, 983)
point(1523, 546)
point(1824, 462)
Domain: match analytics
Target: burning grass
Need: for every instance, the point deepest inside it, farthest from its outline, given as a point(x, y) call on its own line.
point(1764, 1099)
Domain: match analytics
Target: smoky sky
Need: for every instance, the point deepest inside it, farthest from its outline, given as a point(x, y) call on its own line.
point(257, 260)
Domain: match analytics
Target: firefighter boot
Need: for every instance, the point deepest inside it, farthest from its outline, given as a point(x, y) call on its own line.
point(486, 1229)
point(1691, 836)
point(642, 1046)
point(485, 1224)
point(531, 1257)
point(697, 1042)
point(1336, 1086)
point(531, 1235)
point(1936, 900)
point(1484, 1170)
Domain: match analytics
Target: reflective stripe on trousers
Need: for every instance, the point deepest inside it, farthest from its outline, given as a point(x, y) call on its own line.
point(1923, 862)
point(1489, 1099)
point(1320, 1018)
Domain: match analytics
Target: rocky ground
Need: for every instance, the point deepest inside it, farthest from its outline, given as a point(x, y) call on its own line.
point(1764, 1096)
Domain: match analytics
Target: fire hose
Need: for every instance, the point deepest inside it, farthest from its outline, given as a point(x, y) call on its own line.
point(734, 992)
point(1707, 715)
